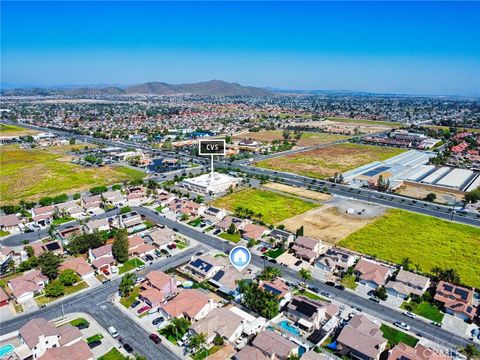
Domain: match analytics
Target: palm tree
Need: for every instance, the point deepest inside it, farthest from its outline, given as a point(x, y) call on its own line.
point(436, 271)
point(127, 283)
point(406, 263)
point(305, 274)
point(450, 275)
point(179, 326)
point(197, 341)
point(270, 273)
point(471, 351)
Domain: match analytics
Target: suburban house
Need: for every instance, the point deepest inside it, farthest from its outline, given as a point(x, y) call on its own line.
point(402, 351)
point(309, 314)
point(164, 198)
point(157, 288)
point(79, 265)
point(215, 212)
point(205, 266)
point(10, 223)
point(160, 237)
point(226, 280)
point(101, 258)
point(335, 260)
point(279, 288)
point(191, 208)
point(113, 197)
point(69, 208)
point(220, 322)
point(39, 335)
point(308, 249)
point(137, 247)
point(282, 236)
point(253, 232)
point(407, 283)
point(361, 338)
point(136, 196)
point(6, 257)
point(274, 345)
point(67, 233)
point(191, 304)
point(4, 298)
point(91, 202)
point(43, 215)
point(40, 247)
point(457, 300)
point(251, 353)
point(372, 273)
point(129, 221)
point(77, 351)
point(96, 225)
point(28, 285)
point(228, 220)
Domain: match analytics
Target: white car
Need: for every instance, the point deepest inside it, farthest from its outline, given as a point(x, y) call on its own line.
point(409, 314)
point(401, 325)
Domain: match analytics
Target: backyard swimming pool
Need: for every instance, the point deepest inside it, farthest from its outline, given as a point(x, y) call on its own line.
point(285, 325)
point(6, 349)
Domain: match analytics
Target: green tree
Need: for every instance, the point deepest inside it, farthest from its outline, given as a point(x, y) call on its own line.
point(54, 289)
point(299, 231)
point(471, 352)
point(473, 196)
point(49, 263)
point(68, 277)
point(45, 201)
point(218, 340)
point(406, 262)
point(232, 230)
point(120, 246)
point(117, 187)
point(270, 273)
point(76, 196)
point(30, 251)
point(304, 274)
point(198, 341)
point(381, 293)
point(80, 244)
point(125, 209)
point(431, 197)
point(71, 141)
point(127, 284)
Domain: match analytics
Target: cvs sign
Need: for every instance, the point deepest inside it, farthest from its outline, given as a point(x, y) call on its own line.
point(211, 147)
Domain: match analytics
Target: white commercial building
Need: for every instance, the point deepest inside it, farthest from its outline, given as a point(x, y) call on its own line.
point(210, 184)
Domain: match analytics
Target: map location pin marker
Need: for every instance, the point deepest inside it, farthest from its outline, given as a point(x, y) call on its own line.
point(240, 257)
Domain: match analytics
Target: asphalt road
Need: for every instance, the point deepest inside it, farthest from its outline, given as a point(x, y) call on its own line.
point(96, 302)
point(382, 312)
point(391, 200)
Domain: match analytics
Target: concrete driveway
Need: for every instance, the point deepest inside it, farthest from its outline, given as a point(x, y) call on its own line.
point(454, 324)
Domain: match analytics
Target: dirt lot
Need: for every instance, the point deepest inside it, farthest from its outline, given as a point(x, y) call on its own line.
point(418, 192)
point(331, 223)
point(325, 162)
point(359, 126)
point(308, 194)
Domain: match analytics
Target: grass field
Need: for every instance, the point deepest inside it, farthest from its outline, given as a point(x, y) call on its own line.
point(128, 301)
point(130, 265)
point(426, 240)
point(325, 162)
point(364, 121)
point(307, 139)
point(13, 130)
point(395, 336)
point(275, 253)
point(274, 207)
point(95, 337)
point(32, 174)
point(234, 238)
point(424, 309)
point(79, 321)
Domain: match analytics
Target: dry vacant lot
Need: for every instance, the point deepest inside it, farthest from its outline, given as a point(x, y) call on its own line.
point(419, 192)
point(355, 125)
point(307, 139)
point(331, 223)
point(308, 194)
point(325, 162)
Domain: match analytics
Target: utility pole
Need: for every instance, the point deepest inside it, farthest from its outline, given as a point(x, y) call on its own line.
point(453, 207)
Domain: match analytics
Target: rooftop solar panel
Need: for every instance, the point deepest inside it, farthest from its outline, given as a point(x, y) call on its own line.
point(376, 171)
point(462, 293)
point(218, 275)
point(53, 246)
point(448, 287)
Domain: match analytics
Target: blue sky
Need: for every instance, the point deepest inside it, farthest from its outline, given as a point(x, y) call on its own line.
point(399, 47)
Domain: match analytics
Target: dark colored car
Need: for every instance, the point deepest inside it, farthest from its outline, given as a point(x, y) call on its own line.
point(82, 325)
point(95, 343)
point(330, 283)
point(324, 293)
point(340, 287)
point(155, 338)
point(149, 257)
point(374, 299)
point(169, 247)
point(127, 348)
point(175, 229)
point(273, 261)
point(135, 304)
point(216, 232)
point(298, 263)
point(158, 320)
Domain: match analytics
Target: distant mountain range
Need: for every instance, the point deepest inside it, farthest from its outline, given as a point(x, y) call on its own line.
point(207, 88)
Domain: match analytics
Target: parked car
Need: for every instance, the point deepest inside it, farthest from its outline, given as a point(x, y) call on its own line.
point(401, 325)
point(143, 309)
point(82, 325)
point(141, 267)
point(135, 304)
point(149, 257)
point(409, 314)
point(169, 247)
point(216, 232)
point(94, 344)
point(128, 348)
point(175, 229)
point(374, 299)
point(324, 293)
point(298, 263)
point(112, 331)
point(158, 320)
point(155, 338)
point(330, 283)
point(340, 287)
point(173, 245)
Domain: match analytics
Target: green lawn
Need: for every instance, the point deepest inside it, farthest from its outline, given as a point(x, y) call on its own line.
point(94, 338)
point(195, 222)
point(204, 353)
point(128, 301)
point(309, 295)
point(235, 238)
point(130, 265)
point(349, 282)
point(42, 299)
point(113, 354)
point(395, 336)
point(274, 207)
point(79, 321)
point(180, 244)
point(275, 253)
point(30, 174)
point(62, 220)
point(4, 233)
point(426, 240)
point(424, 309)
